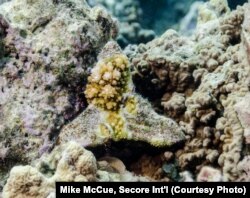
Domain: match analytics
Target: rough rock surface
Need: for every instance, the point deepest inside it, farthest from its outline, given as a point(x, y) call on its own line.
point(115, 111)
point(94, 127)
point(47, 48)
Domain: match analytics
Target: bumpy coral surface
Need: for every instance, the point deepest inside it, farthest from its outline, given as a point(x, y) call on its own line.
point(70, 162)
point(199, 80)
point(48, 47)
point(208, 174)
point(108, 82)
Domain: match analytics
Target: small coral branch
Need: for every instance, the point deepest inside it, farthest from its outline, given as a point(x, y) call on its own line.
point(108, 82)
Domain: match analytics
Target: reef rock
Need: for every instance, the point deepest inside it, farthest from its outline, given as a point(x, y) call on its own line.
point(244, 168)
point(70, 162)
point(209, 174)
point(46, 49)
point(243, 112)
point(63, 80)
point(115, 111)
point(198, 80)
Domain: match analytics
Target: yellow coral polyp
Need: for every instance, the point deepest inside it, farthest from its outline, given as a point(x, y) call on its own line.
point(131, 105)
point(92, 91)
point(116, 74)
point(119, 61)
point(105, 130)
point(107, 76)
point(108, 82)
point(110, 105)
point(108, 92)
point(117, 123)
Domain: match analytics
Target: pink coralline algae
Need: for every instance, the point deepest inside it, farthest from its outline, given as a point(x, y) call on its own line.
point(44, 59)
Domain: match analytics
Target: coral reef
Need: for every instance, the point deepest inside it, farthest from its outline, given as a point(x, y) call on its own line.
point(70, 162)
point(243, 112)
point(140, 22)
point(49, 47)
point(108, 81)
point(209, 174)
point(164, 14)
point(74, 106)
point(163, 64)
point(149, 166)
point(129, 15)
point(115, 111)
point(198, 80)
point(244, 169)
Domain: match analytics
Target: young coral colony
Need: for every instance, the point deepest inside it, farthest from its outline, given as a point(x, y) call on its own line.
point(115, 112)
point(201, 83)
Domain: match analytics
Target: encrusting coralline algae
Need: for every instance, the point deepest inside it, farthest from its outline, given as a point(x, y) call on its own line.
point(48, 48)
point(65, 85)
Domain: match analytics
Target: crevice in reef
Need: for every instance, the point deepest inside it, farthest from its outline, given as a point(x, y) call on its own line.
point(130, 152)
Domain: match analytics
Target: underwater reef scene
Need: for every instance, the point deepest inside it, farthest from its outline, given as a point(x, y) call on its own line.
point(132, 90)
